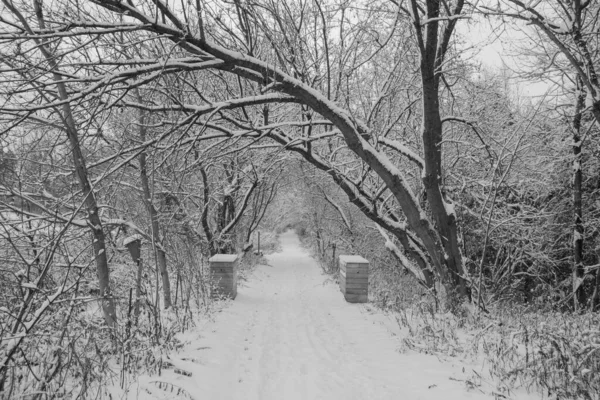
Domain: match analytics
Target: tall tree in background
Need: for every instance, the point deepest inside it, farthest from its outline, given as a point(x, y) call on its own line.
point(579, 297)
point(571, 26)
point(568, 29)
point(148, 200)
point(54, 96)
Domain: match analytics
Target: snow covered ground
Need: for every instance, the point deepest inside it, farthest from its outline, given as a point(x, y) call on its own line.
point(291, 335)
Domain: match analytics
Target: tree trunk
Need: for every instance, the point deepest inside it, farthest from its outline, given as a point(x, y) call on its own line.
point(579, 298)
point(91, 205)
point(432, 54)
point(596, 295)
point(204, 216)
point(156, 242)
point(432, 181)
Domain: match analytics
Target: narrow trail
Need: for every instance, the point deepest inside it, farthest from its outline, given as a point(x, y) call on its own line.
point(291, 335)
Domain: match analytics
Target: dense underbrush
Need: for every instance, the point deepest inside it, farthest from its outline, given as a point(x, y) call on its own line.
point(69, 352)
point(556, 354)
point(73, 354)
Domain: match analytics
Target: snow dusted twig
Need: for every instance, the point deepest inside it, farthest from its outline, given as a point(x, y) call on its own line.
point(17, 339)
point(339, 209)
point(450, 18)
point(404, 261)
point(225, 105)
point(404, 150)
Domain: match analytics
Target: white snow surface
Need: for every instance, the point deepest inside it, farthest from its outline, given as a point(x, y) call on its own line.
point(290, 335)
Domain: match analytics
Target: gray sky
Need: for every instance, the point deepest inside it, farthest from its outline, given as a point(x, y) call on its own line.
point(484, 44)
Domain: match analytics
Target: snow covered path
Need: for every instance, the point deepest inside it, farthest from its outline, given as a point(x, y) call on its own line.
point(291, 335)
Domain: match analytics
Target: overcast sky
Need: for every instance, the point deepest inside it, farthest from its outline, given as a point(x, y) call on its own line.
point(492, 49)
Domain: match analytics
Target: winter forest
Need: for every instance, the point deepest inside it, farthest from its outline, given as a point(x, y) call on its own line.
point(138, 138)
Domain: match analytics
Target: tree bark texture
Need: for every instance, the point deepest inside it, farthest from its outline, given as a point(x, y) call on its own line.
point(161, 256)
point(433, 50)
point(91, 205)
point(578, 272)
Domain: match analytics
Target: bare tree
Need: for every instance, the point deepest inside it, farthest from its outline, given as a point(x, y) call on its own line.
point(147, 194)
point(57, 100)
point(566, 30)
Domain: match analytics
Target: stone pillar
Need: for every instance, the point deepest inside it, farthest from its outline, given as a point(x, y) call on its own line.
point(223, 272)
point(354, 278)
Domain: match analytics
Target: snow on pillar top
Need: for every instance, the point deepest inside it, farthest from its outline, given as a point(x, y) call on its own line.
point(345, 259)
point(224, 258)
